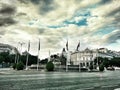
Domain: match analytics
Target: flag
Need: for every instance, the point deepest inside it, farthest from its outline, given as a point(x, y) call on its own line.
point(67, 46)
point(29, 45)
point(39, 45)
point(78, 46)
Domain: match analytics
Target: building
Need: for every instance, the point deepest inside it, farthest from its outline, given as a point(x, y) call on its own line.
point(87, 56)
point(103, 50)
point(8, 48)
point(82, 58)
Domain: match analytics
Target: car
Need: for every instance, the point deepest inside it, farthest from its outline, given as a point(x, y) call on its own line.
point(111, 68)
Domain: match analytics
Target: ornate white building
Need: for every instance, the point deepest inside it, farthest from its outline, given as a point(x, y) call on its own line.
point(84, 58)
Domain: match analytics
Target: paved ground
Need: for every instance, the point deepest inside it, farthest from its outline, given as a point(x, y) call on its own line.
point(36, 80)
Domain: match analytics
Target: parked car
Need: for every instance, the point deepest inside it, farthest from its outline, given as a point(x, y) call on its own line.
point(117, 68)
point(111, 68)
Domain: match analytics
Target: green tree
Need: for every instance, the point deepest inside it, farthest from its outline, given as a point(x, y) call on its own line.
point(106, 62)
point(98, 60)
point(44, 61)
point(115, 61)
point(50, 66)
point(5, 55)
point(91, 67)
point(12, 58)
point(101, 67)
point(2, 59)
point(14, 66)
point(20, 66)
point(31, 60)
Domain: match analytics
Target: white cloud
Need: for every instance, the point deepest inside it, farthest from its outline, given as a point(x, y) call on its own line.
point(31, 25)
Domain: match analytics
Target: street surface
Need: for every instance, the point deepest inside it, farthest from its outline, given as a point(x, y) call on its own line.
point(37, 80)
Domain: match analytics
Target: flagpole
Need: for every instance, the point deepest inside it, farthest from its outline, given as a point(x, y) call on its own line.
point(27, 60)
point(67, 63)
point(16, 57)
point(38, 56)
point(27, 55)
point(16, 54)
point(38, 61)
point(67, 56)
point(49, 56)
point(80, 54)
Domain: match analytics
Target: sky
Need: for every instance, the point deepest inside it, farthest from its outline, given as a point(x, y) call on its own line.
point(95, 23)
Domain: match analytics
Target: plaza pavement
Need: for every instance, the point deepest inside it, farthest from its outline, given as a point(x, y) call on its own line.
point(37, 80)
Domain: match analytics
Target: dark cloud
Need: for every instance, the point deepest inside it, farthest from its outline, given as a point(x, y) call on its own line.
point(23, 1)
point(36, 1)
point(7, 13)
point(45, 6)
point(7, 21)
point(21, 14)
point(41, 31)
point(47, 2)
point(105, 1)
point(7, 10)
point(114, 12)
point(113, 37)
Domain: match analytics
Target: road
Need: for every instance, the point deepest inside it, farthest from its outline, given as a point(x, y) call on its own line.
point(36, 80)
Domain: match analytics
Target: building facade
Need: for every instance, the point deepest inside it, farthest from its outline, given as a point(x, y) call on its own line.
point(85, 57)
point(8, 48)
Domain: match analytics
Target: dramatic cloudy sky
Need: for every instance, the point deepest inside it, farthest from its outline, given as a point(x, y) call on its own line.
point(96, 23)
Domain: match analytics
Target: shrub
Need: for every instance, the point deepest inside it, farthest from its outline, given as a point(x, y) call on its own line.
point(14, 66)
point(20, 66)
point(101, 67)
point(91, 67)
point(50, 66)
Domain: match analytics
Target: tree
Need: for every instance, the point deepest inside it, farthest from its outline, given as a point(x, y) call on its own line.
point(14, 66)
point(98, 60)
point(31, 60)
point(91, 67)
point(50, 66)
point(101, 67)
point(5, 55)
point(106, 62)
point(115, 61)
point(2, 59)
point(12, 58)
point(44, 61)
point(20, 66)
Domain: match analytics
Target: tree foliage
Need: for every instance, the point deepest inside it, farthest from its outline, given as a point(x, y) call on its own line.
point(115, 61)
point(91, 67)
point(31, 60)
point(20, 66)
point(14, 66)
point(50, 66)
point(44, 61)
point(101, 67)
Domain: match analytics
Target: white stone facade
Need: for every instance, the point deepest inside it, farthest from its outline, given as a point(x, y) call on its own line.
point(84, 58)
